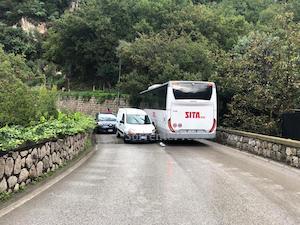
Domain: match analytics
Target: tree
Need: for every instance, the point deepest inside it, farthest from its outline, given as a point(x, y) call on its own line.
point(11, 11)
point(221, 30)
point(14, 40)
point(259, 77)
point(83, 43)
point(162, 57)
point(250, 9)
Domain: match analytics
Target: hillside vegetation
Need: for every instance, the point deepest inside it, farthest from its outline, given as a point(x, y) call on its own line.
point(250, 48)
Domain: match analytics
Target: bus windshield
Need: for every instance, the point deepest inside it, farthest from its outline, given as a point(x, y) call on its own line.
point(192, 90)
point(137, 119)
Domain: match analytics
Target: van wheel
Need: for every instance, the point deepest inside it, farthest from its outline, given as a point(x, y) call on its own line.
point(126, 140)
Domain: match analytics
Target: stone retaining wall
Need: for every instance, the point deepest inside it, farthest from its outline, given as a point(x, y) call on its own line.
point(19, 168)
point(91, 107)
point(275, 148)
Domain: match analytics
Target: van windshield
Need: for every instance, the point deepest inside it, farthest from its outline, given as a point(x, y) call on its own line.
point(137, 119)
point(193, 90)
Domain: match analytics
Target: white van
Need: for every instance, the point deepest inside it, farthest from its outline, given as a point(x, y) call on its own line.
point(134, 125)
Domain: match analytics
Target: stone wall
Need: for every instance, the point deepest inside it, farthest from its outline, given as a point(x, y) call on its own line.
point(19, 168)
point(275, 148)
point(91, 107)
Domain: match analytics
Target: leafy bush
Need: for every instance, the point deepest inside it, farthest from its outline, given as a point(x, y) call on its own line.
point(12, 137)
point(16, 103)
point(19, 104)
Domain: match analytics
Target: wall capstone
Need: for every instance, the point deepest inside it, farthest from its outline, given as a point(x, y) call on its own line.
point(18, 168)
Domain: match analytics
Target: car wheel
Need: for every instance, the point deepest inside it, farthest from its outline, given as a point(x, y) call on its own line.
point(126, 139)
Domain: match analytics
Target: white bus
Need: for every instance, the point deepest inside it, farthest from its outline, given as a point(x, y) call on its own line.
point(182, 109)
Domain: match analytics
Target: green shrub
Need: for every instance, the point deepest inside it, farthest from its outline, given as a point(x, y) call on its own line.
point(16, 103)
point(20, 104)
point(12, 137)
point(100, 96)
point(45, 102)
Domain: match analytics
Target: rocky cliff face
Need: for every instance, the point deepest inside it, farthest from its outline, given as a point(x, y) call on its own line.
point(29, 27)
point(74, 5)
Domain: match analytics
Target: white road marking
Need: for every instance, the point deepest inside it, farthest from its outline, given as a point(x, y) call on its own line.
point(44, 187)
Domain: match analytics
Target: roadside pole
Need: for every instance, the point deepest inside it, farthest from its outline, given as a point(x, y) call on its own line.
point(120, 73)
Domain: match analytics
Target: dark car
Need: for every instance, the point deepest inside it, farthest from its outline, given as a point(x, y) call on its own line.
point(106, 123)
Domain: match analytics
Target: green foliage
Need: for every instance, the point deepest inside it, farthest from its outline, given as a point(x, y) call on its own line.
point(14, 40)
point(12, 10)
point(84, 42)
point(4, 196)
point(12, 137)
point(220, 29)
point(258, 79)
point(14, 66)
point(20, 104)
point(87, 42)
point(250, 9)
point(246, 46)
point(161, 57)
point(100, 96)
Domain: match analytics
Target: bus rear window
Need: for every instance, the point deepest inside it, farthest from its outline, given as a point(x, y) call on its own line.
point(202, 91)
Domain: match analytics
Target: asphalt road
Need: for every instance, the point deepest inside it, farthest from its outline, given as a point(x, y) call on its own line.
point(183, 183)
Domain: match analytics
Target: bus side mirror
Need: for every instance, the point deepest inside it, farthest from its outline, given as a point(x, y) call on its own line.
point(122, 121)
point(153, 123)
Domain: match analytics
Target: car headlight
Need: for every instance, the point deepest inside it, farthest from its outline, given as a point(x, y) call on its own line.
point(131, 132)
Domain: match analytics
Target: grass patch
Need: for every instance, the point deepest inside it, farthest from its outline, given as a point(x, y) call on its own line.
point(4, 196)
